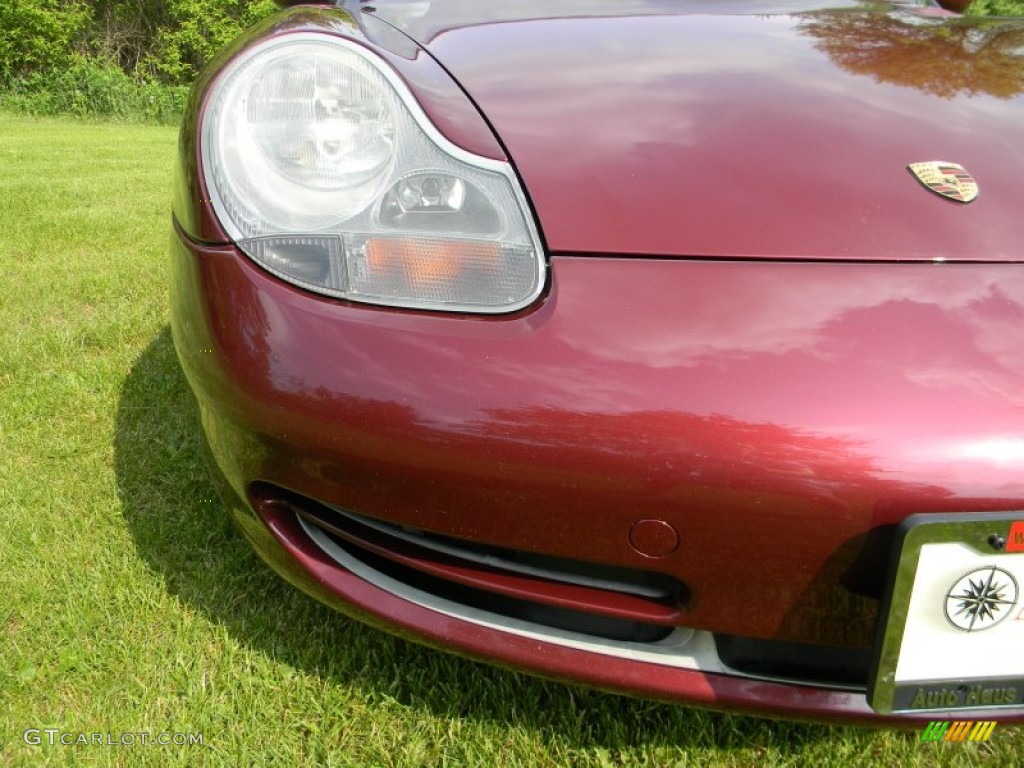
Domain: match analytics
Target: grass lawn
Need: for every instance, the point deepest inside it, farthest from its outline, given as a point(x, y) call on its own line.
point(129, 604)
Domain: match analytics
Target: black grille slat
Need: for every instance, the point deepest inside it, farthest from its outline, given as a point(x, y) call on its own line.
point(646, 584)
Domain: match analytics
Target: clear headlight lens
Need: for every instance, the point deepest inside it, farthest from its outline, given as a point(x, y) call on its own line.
point(326, 172)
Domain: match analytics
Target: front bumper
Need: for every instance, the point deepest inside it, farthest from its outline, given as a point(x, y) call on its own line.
point(750, 432)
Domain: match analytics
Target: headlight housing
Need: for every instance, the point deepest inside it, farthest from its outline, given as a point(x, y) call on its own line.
point(324, 170)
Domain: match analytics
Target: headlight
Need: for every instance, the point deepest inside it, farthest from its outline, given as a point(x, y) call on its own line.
point(326, 172)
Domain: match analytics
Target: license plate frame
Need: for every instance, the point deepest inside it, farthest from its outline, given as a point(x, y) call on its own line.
point(953, 609)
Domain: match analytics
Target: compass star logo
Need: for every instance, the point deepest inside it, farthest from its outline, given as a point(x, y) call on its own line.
point(981, 599)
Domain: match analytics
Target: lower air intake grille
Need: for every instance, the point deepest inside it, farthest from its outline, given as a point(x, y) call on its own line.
point(603, 601)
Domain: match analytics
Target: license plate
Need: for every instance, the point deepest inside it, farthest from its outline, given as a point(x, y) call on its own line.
point(951, 632)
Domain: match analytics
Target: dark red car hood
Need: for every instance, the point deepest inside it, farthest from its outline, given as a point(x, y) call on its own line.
point(745, 129)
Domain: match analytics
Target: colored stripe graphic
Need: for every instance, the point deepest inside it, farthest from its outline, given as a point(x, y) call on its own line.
point(935, 730)
point(983, 730)
point(958, 730)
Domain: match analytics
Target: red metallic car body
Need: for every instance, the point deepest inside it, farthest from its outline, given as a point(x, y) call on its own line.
point(761, 346)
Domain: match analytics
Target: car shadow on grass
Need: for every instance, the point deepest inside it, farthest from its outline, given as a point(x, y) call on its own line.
point(184, 534)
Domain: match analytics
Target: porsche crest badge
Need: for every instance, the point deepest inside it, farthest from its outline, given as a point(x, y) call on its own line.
point(946, 179)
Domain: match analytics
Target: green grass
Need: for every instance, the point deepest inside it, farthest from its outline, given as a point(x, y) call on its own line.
point(128, 603)
point(996, 8)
